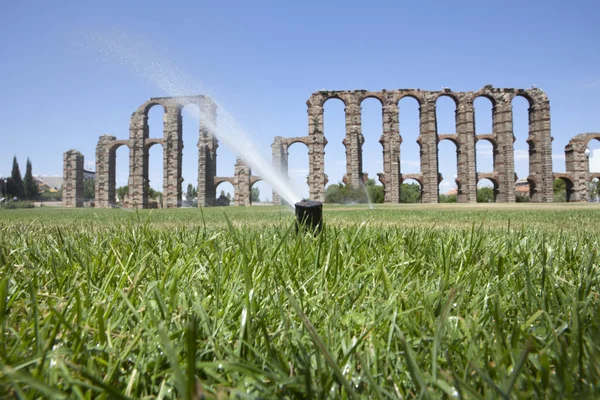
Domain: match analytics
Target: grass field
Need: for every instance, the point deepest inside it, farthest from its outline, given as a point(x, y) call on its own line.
point(444, 301)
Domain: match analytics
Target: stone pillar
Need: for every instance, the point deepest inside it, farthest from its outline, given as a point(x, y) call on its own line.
point(172, 157)
point(138, 161)
point(429, 154)
point(316, 154)
point(577, 165)
point(73, 179)
point(540, 153)
point(353, 141)
point(391, 140)
point(466, 168)
point(279, 150)
point(241, 183)
point(207, 155)
point(504, 159)
point(105, 172)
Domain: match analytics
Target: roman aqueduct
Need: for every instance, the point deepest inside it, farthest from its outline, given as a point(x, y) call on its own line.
point(503, 176)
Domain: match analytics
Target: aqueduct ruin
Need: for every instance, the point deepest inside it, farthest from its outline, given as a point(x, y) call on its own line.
point(503, 175)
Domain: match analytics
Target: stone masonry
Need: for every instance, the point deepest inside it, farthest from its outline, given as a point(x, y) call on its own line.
point(73, 179)
point(502, 138)
point(503, 176)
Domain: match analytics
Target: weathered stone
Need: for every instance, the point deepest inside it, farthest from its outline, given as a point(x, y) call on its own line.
point(73, 179)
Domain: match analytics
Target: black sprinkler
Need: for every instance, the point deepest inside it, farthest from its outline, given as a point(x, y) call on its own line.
point(309, 215)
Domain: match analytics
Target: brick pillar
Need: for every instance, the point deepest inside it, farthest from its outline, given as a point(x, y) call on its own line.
point(172, 157)
point(138, 161)
point(504, 159)
point(73, 179)
point(540, 152)
point(429, 154)
point(466, 168)
point(279, 150)
point(316, 154)
point(241, 183)
point(391, 140)
point(353, 142)
point(105, 172)
point(207, 155)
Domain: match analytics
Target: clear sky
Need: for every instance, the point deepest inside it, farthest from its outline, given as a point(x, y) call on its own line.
point(71, 71)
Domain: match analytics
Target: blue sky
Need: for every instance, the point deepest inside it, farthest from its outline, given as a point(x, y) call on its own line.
point(62, 86)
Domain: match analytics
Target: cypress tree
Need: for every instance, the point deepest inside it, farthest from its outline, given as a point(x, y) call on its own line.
point(17, 180)
point(30, 185)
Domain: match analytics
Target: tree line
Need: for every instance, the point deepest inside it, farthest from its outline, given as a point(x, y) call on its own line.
point(18, 187)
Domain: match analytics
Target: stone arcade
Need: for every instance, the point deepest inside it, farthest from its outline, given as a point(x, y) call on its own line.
point(503, 176)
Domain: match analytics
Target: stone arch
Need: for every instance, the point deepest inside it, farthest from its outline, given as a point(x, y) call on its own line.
point(409, 179)
point(493, 180)
point(224, 180)
point(450, 167)
point(477, 111)
point(372, 141)
point(334, 134)
point(569, 186)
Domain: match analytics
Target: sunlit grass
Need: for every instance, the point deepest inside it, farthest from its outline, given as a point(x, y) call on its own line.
point(428, 302)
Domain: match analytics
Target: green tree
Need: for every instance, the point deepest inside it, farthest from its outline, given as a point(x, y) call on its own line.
point(485, 195)
point(122, 192)
point(560, 191)
point(18, 188)
point(448, 198)
point(30, 186)
point(89, 189)
point(255, 195)
point(410, 193)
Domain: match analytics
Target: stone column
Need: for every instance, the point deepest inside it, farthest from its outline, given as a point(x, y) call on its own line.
point(316, 154)
point(207, 155)
point(241, 183)
point(279, 150)
point(466, 168)
point(172, 157)
point(105, 172)
point(138, 161)
point(391, 140)
point(577, 165)
point(429, 154)
point(353, 141)
point(504, 159)
point(540, 152)
point(73, 179)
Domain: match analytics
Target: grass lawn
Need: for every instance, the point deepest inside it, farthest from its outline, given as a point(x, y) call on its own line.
point(411, 301)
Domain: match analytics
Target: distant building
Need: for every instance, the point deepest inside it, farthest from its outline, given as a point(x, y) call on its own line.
point(595, 160)
point(87, 175)
point(51, 183)
point(522, 187)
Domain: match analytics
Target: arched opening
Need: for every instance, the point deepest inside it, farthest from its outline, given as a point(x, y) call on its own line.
point(261, 193)
point(298, 168)
point(411, 191)
point(156, 121)
point(445, 115)
point(334, 126)
point(372, 128)
point(447, 187)
point(155, 176)
point(594, 157)
point(409, 122)
point(190, 133)
point(122, 175)
point(486, 191)
point(484, 156)
point(483, 115)
point(563, 189)
point(520, 106)
point(225, 194)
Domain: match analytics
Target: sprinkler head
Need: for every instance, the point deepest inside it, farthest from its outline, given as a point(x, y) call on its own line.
point(309, 215)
